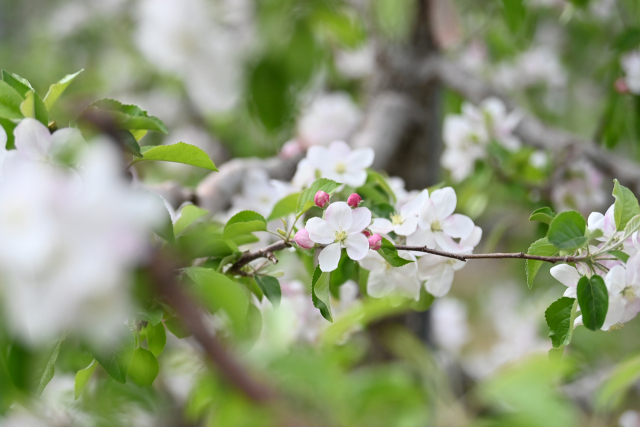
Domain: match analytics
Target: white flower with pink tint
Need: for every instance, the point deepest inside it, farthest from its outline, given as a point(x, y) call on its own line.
point(35, 143)
point(439, 225)
point(404, 221)
point(465, 142)
point(342, 227)
point(337, 162)
point(330, 117)
point(499, 124)
point(631, 66)
point(568, 276)
point(385, 279)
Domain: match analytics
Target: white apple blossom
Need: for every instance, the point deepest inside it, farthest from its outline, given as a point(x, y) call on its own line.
point(438, 225)
point(330, 117)
point(342, 226)
point(405, 220)
point(568, 276)
point(449, 324)
point(385, 279)
point(623, 284)
point(499, 125)
point(259, 193)
point(580, 190)
point(464, 144)
point(629, 419)
point(337, 162)
point(539, 64)
point(631, 66)
point(66, 249)
point(35, 143)
point(356, 63)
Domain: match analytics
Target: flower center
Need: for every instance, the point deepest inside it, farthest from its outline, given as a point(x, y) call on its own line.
point(341, 167)
point(628, 293)
point(341, 236)
point(436, 226)
point(396, 219)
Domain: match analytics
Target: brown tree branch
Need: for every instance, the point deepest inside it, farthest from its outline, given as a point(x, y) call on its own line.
point(266, 252)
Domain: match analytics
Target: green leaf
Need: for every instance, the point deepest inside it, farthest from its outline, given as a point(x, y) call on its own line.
point(33, 107)
point(306, 198)
point(46, 373)
point(56, 89)
point(544, 215)
point(129, 142)
point(10, 101)
point(244, 222)
point(558, 317)
point(594, 301)
point(270, 287)
point(219, 292)
point(540, 247)
point(82, 378)
point(144, 367)
point(514, 14)
point(390, 254)
point(383, 183)
point(627, 40)
point(188, 214)
point(270, 93)
point(177, 153)
point(632, 226)
point(613, 390)
point(320, 294)
point(284, 207)
point(116, 360)
point(152, 315)
point(156, 338)
point(20, 84)
point(129, 117)
point(622, 256)
point(626, 205)
point(8, 127)
point(567, 231)
point(177, 327)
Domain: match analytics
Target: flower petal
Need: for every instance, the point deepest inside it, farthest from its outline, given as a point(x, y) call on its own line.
point(566, 275)
point(329, 257)
point(409, 225)
point(361, 158)
point(412, 207)
point(407, 287)
point(445, 201)
point(379, 285)
point(381, 226)
point(422, 238)
point(615, 280)
point(354, 178)
point(410, 269)
point(357, 246)
point(320, 231)
point(571, 293)
point(427, 215)
point(458, 225)
point(430, 266)
point(595, 221)
point(446, 243)
point(339, 150)
point(373, 261)
point(473, 239)
point(360, 219)
point(33, 139)
point(615, 312)
point(439, 285)
point(609, 223)
point(338, 214)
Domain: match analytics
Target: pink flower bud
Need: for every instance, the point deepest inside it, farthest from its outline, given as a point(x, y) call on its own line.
point(303, 240)
point(375, 241)
point(366, 233)
point(621, 85)
point(291, 149)
point(321, 199)
point(354, 200)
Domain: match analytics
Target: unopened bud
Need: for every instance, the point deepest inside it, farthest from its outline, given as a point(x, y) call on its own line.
point(281, 232)
point(354, 200)
point(321, 199)
point(621, 85)
point(303, 240)
point(375, 241)
point(366, 233)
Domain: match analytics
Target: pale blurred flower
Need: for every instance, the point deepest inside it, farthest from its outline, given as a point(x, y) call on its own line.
point(538, 159)
point(581, 190)
point(384, 279)
point(23, 419)
point(405, 220)
point(449, 324)
point(330, 117)
point(629, 419)
point(259, 193)
point(631, 66)
point(356, 63)
point(538, 65)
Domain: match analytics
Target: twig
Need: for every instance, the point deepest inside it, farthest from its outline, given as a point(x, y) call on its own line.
point(513, 255)
point(266, 252)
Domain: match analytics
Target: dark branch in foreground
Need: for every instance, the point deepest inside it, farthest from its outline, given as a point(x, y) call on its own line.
point(266, 252)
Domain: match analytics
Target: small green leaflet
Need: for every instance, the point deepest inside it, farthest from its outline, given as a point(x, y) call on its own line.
point(116, 361)
point(540, 247)
point(152, 315)
point(567, 230)
point(20, 84)
point(594, 301)
point(188, 214)
point(130, 117)
point(156, 338)
point(626, 205)
point(284, 207)
point(558, 317)
point(632, 226)
point(177, 153)
point(544, 215)
point(320, 294)
point(56, 89)
point(390, 254)
point(382, 182)
point(82, 378)
point(10, 101)
point(305, 201)
point(622, 256)
point(270, 287)
point(244, 222)
point(33, 107)
point(144, 367)
point(48, 370)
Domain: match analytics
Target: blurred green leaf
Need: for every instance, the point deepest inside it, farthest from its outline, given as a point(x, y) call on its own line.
point(244, 222)
point(10, 101)
point(188, 214)
point(306, 198)
point(540, 247)
point(56, 89)
point(284, 207)
point(8, 127)
point(626, 205)
point(33, 107)
point(580, 3)
point(345, 28)
point(611, 393)
point(558, 317)
point(379, 179)
point(47, 370)
point(156, 338)
point(177, 153)
point(593, 298)
point(270, 287)
point(82, 378)
point(21, 85)
point(144, 367)
point(544, 215)
point(152, 315)
point(390, 254)
point(130, 117)
point(394, 18)
point(567, 230)
point(514, 12)
point(116, 360)
point(270, 96)
point(320, 294)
